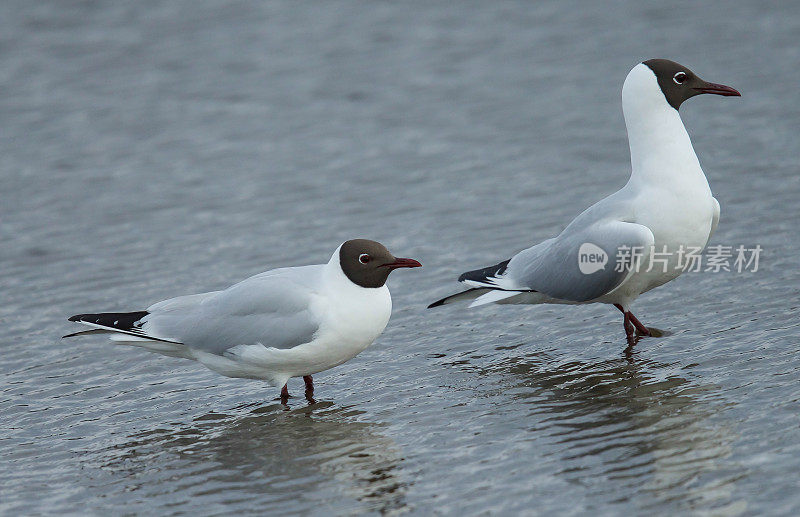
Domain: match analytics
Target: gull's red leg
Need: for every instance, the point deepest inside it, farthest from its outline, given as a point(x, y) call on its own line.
point(631, 319)
point(309, 388)
point(629, 328)
point(285, 393)
point(639, 326)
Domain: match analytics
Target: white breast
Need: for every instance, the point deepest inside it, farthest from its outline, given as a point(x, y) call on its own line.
point(352, 318)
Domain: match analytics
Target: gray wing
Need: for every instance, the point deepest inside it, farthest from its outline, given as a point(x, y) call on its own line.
point(571, 266)
point(272, 309)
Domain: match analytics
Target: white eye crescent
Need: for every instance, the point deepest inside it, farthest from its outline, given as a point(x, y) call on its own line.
point(364, 258)
point(679, 78)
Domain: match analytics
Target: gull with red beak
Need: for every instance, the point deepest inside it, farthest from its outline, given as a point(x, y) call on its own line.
point(289, 322)
point(635, 239)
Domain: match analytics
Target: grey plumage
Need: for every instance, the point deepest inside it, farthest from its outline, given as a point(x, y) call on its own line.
point(271, 309)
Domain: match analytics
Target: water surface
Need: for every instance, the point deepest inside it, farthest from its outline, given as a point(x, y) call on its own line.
point(151, 149)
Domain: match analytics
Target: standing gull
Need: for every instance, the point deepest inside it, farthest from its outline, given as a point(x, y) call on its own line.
point(288, 322)
point(665, 209)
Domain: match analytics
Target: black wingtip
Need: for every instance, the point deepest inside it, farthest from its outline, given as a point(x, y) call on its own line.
point(76, 334)
point(438, 303)
point(454, 297)
point(481, 275)
point(116, 320)
point(85, 332)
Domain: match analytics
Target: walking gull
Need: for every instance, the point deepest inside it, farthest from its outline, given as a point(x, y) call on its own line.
point(665, 207)
point(289, 322)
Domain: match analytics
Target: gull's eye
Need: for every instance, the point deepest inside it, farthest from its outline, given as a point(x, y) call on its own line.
point(364, 258)
point(679, 77)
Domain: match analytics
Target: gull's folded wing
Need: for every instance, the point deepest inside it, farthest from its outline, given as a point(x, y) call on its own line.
point(272, 309)
point(578, 265)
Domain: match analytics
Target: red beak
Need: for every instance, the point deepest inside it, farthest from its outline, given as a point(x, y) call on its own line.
point(402, 262)
point(719, 89)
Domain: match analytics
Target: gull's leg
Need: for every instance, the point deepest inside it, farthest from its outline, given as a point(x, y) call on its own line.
point(285, 393)
point(309, 389)
point(629, 329)
point(638, 324)
point(630, 333)
point(630, 319)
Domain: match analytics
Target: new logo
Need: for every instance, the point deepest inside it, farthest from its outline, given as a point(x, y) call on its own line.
point(591, 258)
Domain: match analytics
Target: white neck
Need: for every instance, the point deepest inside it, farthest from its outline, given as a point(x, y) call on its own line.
point(333, 272)
point(661, 151)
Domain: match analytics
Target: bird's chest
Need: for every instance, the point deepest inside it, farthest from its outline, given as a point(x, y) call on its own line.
point(353, 322)
point(679, 220)
point(681, 225)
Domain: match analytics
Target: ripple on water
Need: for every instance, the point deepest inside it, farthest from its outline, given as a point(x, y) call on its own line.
point(157, 149)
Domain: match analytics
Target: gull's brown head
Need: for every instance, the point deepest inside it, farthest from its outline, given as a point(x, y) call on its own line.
point(368, 263)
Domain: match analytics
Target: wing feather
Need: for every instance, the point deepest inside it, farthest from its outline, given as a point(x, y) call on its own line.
point(552, 267)
point(272, 309)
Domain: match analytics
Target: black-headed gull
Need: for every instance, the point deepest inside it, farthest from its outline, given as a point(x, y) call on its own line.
point(666, 208)
point(288, 322)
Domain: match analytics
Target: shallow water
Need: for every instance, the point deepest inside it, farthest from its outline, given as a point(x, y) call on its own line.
point(152, 149)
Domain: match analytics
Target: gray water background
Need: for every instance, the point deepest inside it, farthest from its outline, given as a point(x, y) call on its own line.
point(151, 149)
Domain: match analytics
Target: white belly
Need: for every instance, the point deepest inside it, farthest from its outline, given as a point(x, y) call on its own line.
point(679, 226)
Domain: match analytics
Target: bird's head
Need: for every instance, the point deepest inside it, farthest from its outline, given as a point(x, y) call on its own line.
point(674, 82)
point(368, 263)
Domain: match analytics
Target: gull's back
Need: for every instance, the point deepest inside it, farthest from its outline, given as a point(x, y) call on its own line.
point(272, 308)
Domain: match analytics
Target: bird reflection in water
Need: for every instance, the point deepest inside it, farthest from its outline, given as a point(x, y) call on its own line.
point(273, 454)
point(622, 427)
